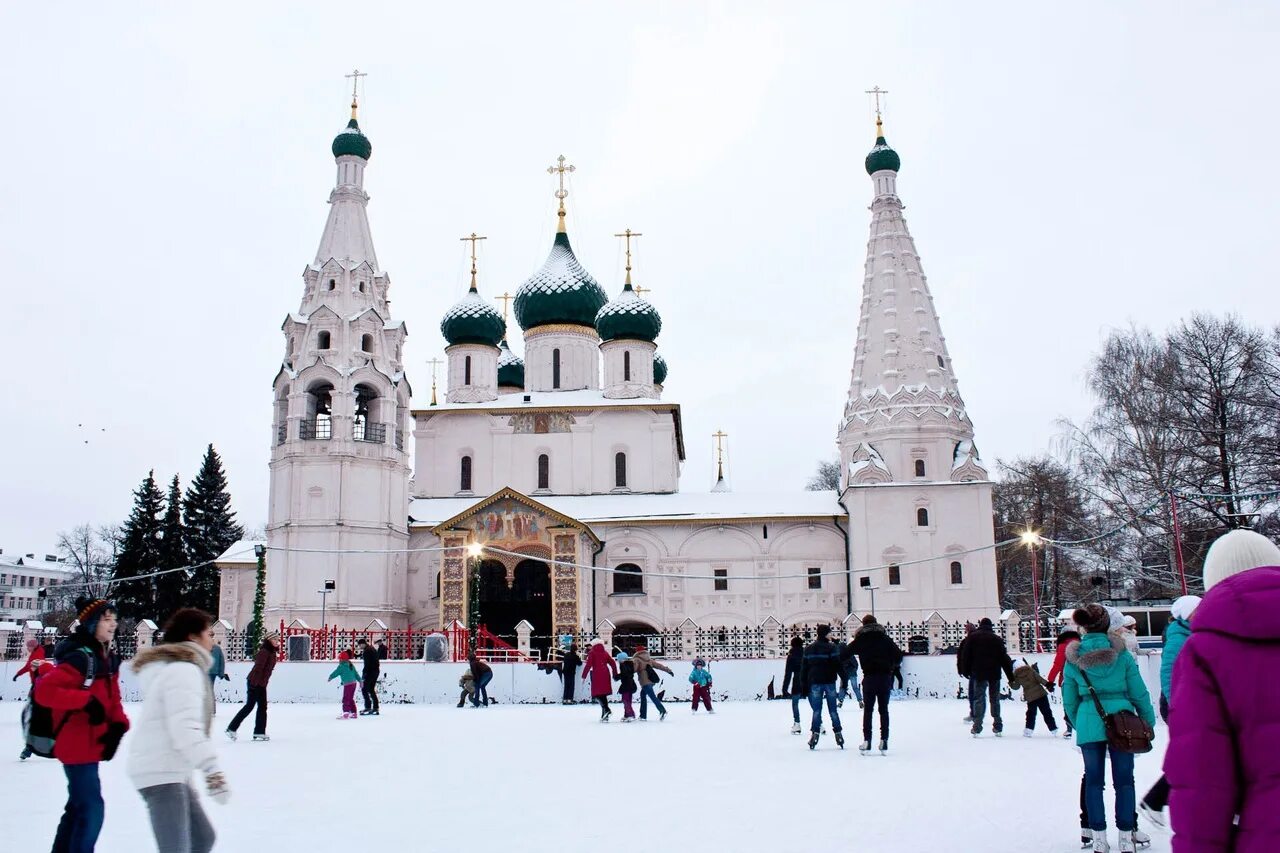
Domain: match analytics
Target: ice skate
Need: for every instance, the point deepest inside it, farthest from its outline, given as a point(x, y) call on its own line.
point(628, 719)
point(884, 746)
point(969, 719)
point(999, 732)
point(1127, 842)
point(840, 739)
point(262, 738)
point(813, 740)
point(1140, 839)
point(1086, 838)
point(1100, 842)
point(795, 728)
point(1155, 818)
point(25, 754)
point(865, 747)
point(230, 735)
point(662, 716)
point(1027, 733)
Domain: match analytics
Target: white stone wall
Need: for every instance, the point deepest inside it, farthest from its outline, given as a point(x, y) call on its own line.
point(579, 358)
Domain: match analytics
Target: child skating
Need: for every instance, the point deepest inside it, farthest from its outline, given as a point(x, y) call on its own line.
point(468, 684)
point(626, 685)
point(700, 678)
point(346, 671)
point(1035, 692)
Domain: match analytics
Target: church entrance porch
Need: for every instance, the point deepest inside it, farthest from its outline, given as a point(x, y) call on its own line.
point(513, 590)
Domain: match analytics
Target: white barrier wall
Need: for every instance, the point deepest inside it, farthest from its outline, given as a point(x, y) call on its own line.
point(417, 683)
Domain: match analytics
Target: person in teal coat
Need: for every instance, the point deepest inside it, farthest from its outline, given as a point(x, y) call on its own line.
point(1114, 675)
point(346, 672)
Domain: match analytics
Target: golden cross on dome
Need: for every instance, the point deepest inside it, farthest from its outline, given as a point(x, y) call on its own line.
point(354, 77)
point(876, 91)
point(561, 169)
point(505, 299)
point(720, 435)
point(641, 291)
point(473, 239)
point(434, 362)
point(627, 235)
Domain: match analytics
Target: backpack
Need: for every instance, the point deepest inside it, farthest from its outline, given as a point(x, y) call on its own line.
point(38, 729)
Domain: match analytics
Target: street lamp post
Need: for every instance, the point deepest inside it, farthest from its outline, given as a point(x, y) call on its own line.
point(1030, 538)
point(329, 587)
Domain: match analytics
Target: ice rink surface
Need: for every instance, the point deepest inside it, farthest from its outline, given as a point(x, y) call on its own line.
point(535, 778)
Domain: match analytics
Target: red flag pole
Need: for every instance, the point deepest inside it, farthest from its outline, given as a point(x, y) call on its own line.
point(1035, 597)
point(1177, 541)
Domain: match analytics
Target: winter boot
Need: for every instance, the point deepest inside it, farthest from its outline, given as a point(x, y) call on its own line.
point(1140, 839)
point(1127, 843)
point(840, 739)
point(795, 728)
point(1100, 843)
point(865, 747)
point(1028, 733)
point(813, 740)
point(263, 738)
point(231, 736)
point(884, 746)
point(25, 754)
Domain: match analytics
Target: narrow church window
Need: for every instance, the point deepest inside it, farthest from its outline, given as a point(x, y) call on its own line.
point(322, 340)
point(333, 284)
point(366, 343)
point(919, 467)
point(437, 584)
point(544, 471)
point(555, 368)
point(764, 528)
point(626, 367)
point(895, 575)
point(620, 470)
point(922, 517)
point(466, 370)
point(361, 287)
point(815, 577)
point(722, 580)
point(957, 573)
point(464, 479)
point(627, 580)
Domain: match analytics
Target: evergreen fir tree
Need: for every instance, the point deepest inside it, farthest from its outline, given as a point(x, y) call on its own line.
point(170, 588)
point(259, 604)
point(211, 529)
point(140, 549)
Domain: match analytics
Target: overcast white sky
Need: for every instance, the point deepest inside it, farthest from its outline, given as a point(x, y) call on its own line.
point(1066, 170)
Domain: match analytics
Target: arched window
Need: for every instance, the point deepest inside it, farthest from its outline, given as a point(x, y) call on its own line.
point(464, 475)
point(895, 575)
point(627, 580)
point(466, 371)
point(544, 471)
point(360, 287)
point(919, 467)
point(957, 573)
point(318, 423)
point(322, 340)
point(555, 368)
point(365, 426)
point(292, 344)
point(437, 584)
point(333, 284)
point(366, 343)
point(620, 470)
point(626, 366)
point(922, 517)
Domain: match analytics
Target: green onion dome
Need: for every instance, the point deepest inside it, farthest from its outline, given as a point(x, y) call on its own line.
point(659, 369)
point(628, 317)
point(882, 157)
point(473, 321)
point(352, 141)
point(510, 367)
point(561, 292)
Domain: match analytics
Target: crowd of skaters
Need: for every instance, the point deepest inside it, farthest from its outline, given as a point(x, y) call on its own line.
point(1220, 790)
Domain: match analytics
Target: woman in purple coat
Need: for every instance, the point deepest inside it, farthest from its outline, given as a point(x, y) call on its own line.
point(601, 668)
point(1223, 760)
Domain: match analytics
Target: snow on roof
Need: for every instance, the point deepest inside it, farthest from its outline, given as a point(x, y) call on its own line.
point(679, 506)
point(547, 399)
point(241, 552)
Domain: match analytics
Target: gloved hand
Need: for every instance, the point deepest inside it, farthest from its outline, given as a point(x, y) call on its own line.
point(15, 678)
point(225, 677)
point(97, 713)
point(111, 740)
point(1052, 687)
point(216, 784)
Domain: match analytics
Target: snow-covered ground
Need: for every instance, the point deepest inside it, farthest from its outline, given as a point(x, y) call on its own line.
point(549, 778)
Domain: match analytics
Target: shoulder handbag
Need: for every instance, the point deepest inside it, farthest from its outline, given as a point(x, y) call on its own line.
point(1126, 731)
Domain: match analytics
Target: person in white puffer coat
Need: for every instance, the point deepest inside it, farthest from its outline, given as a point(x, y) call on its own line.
point(170, 738)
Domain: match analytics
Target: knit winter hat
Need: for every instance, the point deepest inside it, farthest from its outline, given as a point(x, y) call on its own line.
point(344, 656)
point(622, 656)
point(1184, 606)
point(1093, 618)
point(1236, 552)
point(90, 610)
point(984, 622)
point(32, 643)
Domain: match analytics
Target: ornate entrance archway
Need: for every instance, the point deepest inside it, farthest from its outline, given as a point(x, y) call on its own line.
point(512, 590)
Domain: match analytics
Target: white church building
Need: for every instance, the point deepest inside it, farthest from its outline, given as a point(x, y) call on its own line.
point(547, 489)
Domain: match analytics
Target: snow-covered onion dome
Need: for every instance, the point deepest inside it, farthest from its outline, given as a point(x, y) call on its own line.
point(352, 141)
point(562, 292)
point(628, 317)
point(473, 321)
point(659, 369)
point(510, 367)
point(882, 156)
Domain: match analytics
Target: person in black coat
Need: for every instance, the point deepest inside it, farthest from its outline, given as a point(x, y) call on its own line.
point(791, 673)
point(881, 659)
point(819, 671)
point(982, 658)
point(369, 687)
point(568, 669)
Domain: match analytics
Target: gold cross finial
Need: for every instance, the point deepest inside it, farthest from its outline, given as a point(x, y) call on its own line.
point(627, 235)
point(354, 77)
point(641, 291)
point(434, 362)
point(473, 239)
point(876, 91)
point(505, 299)
point(720, 435)
point(561, 169)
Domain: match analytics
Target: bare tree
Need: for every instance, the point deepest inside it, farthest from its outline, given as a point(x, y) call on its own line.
point(826, 478)
point(90, 553)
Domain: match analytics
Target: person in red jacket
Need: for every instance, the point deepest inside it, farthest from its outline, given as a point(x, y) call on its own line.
point(264, 662)
point(83, 691)
point(602, 668)
point(1059, 663)
point(35, 660)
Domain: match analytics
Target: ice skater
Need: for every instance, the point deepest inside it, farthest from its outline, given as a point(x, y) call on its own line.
point(819, 671)
point(849, 675)
point(264, 663)
point(468, 684)
point(369, 683)
point(881, 661)
point(626, 679)
point(1055, 677)
point(483, 674)
point(700, 678)
point(601, 669)
point(569, 664)
point(1035, 692)
point(346, 671)
point(983, 657)
point(791, 670)
point(647, 675)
